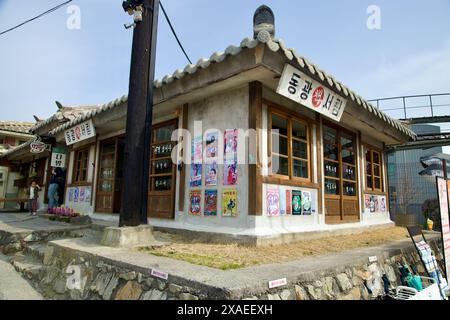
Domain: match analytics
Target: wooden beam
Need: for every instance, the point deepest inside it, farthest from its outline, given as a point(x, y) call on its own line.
point(184, 167)
point(254, 170)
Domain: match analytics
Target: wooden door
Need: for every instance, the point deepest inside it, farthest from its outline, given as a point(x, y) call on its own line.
point(106, 179)
point(161, 202)
point(340, 171)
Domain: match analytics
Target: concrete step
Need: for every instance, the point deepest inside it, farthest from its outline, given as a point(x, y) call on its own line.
point(28, 266)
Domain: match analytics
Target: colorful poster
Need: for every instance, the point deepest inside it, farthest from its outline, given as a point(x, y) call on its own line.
point(211, 174)
point(196, 175)
point(229, 203)
point(70, 195)
point(212, 145)
point(230, 172)
point(288, 202)
point(75, 194)
point(306, 203)
point(81, 196)
point(230, 143)
point(367, 203)
point(87, 196)
point(296, 202)
point(197, 154)
point(282, 201)
point(373, 203)
point(210, 203)
point(195, 199)
point(382, 201)
point(273, 202)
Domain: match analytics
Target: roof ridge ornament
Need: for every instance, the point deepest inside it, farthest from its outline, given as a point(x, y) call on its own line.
point(263, 20)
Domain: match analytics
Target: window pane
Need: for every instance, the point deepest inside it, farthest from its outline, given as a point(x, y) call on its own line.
point(348, 172)
point(279, 123)
point(109, 147)
point(331, 169)
point(279, 144)
point(332, 186)
point(349, 188)
point(280, 165)
point(299, 130)
point(368, 168)
point(300, 168)
point(376, 170)
point(300, 149)
point(377, 183)
point(368, 157)
point(347, 149)
point(369, 182)
point(330, 143)
point(376, 157)
point(164, 133)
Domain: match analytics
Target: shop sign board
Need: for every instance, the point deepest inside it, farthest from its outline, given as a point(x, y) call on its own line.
point(80, 132)
point(443, 197)
point(297, 86)
point(37, 146)
point(58, 158)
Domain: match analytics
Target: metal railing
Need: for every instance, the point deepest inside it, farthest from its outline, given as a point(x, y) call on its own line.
point(401, 104)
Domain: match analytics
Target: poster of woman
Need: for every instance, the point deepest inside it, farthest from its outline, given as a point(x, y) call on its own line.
point(230, 142)
point(230, 173)
point(211, 174)
point(212, 141)
point(306, 203)
point(196, 175)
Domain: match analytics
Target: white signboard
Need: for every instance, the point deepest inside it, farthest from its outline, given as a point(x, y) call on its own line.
point(443, 196)
point(58, 160)
point(160, 274)
point(80, 132)
point(277, 283)
point(300, 88)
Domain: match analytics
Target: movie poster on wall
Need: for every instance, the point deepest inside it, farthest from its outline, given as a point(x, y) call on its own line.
point(273, 202)
point(230, 172)
point(196, 175)
point(229, 203)
point(296, 202)
point(197, 154)
point(306, 203)
point(211, 174)
point(288, 201)
point(230, 143)
point(75, 195)
point(210, 203)
point(375, 204)
point(212, 145)
point(70, 195)
point(81, 196)
point(382, 201)
point(195, 199)
point(87, 197)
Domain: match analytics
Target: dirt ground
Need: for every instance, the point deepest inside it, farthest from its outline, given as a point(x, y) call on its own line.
point(233, 256)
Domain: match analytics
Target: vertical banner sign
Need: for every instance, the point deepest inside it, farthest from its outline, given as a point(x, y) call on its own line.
point(58, 158)
point(300, 88)
point(443, 197)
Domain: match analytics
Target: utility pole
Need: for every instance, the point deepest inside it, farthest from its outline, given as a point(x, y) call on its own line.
point(139, 113)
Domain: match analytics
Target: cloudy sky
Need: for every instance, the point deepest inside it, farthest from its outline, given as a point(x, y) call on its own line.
point(45, 61)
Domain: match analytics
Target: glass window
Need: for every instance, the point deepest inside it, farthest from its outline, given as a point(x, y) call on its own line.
point(290, 149)
point(374, 179)
point(81, 165)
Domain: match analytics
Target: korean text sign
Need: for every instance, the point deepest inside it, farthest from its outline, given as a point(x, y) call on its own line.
point(300, 88)
point(80, 132)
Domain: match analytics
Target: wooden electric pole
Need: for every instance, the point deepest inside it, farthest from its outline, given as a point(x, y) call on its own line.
point(139, 117)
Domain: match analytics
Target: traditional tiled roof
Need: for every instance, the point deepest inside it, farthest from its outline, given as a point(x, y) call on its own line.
point(64, 114)
point(275, 45)
point(17, 148)
point(16, 126)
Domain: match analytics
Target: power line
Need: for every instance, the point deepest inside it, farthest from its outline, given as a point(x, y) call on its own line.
point(174, 33)
point(37, 17)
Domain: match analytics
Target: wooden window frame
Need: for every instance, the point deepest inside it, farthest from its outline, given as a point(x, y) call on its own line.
point(340, 163)
point(75, 166)
point(372, 150)
point(290, 117)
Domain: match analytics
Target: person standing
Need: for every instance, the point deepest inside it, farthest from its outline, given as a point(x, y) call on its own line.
point(53, 190)
point(33, 192)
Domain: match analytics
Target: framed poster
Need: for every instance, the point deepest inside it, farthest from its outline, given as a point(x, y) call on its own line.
point(229, 203)
point(195, 200)
point(210, 203)
point(230, 172)
point(296, 202)
point(306, 203)
point(273, 202)
point(211, 174)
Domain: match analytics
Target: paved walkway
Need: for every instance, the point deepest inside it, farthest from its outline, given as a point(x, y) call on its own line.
point(12, 285)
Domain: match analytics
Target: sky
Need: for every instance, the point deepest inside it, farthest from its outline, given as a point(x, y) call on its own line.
point(45, 61)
